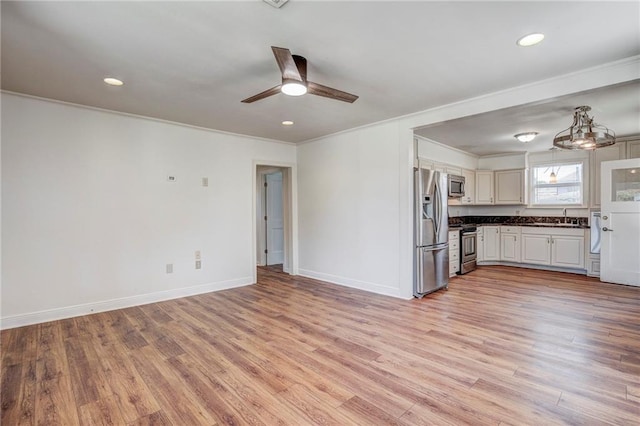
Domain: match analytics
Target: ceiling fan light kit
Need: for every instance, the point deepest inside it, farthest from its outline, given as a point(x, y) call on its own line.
point(293, 88)
point(584, 133)
point(294, 80)
point(526, 137)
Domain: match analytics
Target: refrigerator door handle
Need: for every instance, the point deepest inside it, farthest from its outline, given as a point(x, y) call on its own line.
point(419, 265)
point(435, 247)
point(418, 204)
point(437, 212)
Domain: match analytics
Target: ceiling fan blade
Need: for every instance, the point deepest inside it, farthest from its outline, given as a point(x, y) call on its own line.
point(286, 63)
point(328, 92)
point(269, 92)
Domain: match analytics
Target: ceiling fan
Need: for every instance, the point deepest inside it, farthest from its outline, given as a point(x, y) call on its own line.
point(294, 80)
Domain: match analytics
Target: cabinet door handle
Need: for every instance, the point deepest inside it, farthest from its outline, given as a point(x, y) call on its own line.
point(607, 229)
point(548, 241)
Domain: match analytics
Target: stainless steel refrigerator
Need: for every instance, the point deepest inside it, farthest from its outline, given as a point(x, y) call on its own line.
point(431, 224)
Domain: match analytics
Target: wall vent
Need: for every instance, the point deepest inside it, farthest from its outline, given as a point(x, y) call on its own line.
point(276, 3)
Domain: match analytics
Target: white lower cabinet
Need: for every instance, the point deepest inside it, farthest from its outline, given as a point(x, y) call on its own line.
point(593, 266)
point(510, 243)
point(567, 251)
point(561, 247)
point(491, 243)
point(454, 252)
point(536, 249)
point(480, 244)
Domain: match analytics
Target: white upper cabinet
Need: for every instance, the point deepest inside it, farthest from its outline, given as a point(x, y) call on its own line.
point(469, 186)
point(633, 149)
point(484, 187)
point(615, 152)
point(510, 187)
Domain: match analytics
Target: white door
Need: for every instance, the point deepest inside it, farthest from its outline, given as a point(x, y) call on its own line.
point(620, 222)
point(274, 219)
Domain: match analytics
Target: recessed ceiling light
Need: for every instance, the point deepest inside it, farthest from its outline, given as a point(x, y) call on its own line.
point(287, 123)
point(526, 137)
point(530, 39)
point(113, 81)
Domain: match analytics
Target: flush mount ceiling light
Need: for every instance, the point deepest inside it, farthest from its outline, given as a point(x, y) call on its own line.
point(584, 133)
point(530, 39)
point(287, 123)
point(113, 81)
point(293, 88)
point(526, 137)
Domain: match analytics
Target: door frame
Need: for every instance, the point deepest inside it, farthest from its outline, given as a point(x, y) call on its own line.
point(263, 235)
point(289, 211)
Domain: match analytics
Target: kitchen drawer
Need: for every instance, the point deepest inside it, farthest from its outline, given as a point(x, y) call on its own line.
point(454, 245)
point(510, 229)
point(454, 254)
point(454, 267)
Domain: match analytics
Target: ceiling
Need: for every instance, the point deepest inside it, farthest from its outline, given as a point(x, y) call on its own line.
point(617, 107)
point(193, 62)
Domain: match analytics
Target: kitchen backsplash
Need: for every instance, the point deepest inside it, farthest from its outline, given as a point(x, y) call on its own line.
point(497, 210)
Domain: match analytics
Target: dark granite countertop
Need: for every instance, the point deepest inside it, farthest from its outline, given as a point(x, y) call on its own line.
point(533, 221)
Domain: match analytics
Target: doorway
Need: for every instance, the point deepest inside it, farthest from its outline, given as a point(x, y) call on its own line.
point(274, 218)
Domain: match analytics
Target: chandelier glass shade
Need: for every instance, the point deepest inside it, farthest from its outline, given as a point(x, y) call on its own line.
point(584, 133)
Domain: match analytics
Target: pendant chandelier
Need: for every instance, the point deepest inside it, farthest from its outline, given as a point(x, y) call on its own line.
point(584, 133)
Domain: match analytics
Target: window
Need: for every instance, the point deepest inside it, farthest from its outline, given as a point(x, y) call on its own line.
point(557, 184)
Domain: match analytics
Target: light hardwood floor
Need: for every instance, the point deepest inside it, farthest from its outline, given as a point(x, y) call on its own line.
point(501, 346)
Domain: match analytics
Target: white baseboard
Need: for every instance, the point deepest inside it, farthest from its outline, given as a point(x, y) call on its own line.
point(125, 302)
point(349, 282)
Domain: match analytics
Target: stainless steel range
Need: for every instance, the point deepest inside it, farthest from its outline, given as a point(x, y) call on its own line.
point(468, 249)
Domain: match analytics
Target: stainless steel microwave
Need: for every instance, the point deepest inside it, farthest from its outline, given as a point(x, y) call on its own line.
point(456, 186)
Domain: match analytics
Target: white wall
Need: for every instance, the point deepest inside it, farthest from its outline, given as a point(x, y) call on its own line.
point(440, 153)
point(503, 162)
point(89, 220)
point(348, 203)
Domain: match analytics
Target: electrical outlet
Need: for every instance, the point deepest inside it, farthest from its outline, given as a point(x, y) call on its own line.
point(205, 181)
point(198, 255)
point(169, 268)
point(198, 264)
point(517, 212)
